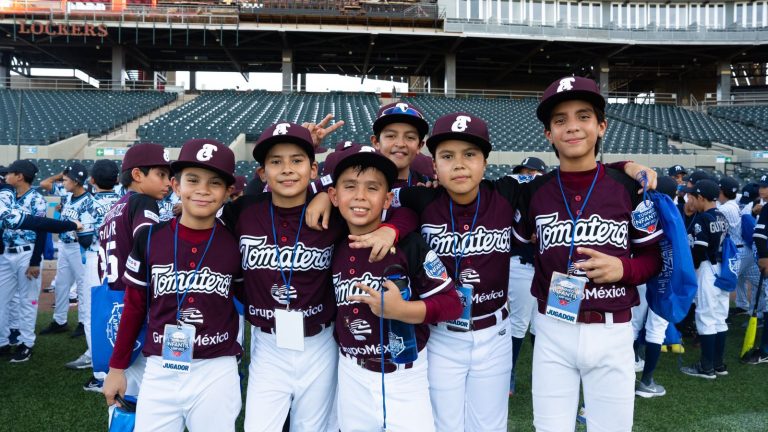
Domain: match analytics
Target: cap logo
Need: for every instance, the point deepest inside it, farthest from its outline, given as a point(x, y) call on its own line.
point(206, 153)
point(460, 125)
point(566, 84)
point(764, 178)
point(166, 156)
point(347, 144)
point(403, 106)
point(367, 149)
point(525, 161)
point(281, 129)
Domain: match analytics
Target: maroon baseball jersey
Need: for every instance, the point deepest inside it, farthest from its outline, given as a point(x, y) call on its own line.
point(116, 234)
point(310, 286)
point(357, 328)
point(485, 249)
point(209, 302)
point(605, 225)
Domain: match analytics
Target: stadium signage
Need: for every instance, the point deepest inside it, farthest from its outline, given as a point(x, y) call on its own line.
point(52, 28)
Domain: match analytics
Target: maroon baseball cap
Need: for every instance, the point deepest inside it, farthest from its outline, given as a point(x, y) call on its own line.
point(145, 155)
point(569, 88)
point(283, 132)
point(460, 126)
point(209, 154)
point(240, 183)
point(366, 156)
point(333, 159)
point(400, 112)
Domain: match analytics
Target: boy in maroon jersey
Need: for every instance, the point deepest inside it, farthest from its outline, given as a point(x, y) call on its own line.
point(361, 194)
point(145, 174)
point(187, 269)
point(288, 297)
point(596, 240)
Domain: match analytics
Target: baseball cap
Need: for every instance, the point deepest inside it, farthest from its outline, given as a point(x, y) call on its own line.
point(698, 175)
point(568, 88)
point(667, 186)
point(76, 172)
point(749, 192)
point(24, 167)
point(105, 171)
point(675, 170)
point(763, 182)
point(3, 170)
point(145, 155)
point(240, 183)
point(460, 126)
point(366, 156)
point(336, 156)
point(400, 112)
point(533, 163)
point(283, 132)
point(706, 188)
point(729, 184)
point(209, 154)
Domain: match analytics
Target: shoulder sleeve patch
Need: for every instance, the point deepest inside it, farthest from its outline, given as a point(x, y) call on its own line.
point(434, 268)
point(326, 180)
point(396, 197)
point(151, 216)
point(132, 264)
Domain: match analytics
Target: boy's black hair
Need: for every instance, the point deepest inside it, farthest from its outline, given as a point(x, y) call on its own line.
point(728, 193)
point(102, 184)
point(126, 178)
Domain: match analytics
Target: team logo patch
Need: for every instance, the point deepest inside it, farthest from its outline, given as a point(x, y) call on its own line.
point(166, 155)
point(191, 316)
point(359, 328)
point(460, 125)
point(206, 153)
point(434, 267)
point(469, 276)
point(696, 229)
point(645, 218)
point(132, 264)
point(178, 343)
point(326, 180)
point(734, 265)
point(566, 84)
point(396, 344)
point(281, 129)
point(281, 295)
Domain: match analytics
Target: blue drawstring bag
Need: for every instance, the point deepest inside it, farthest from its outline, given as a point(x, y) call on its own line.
point(671, 292)
point(124, 418)
point(729, 265)
point(747, 229)
point(106, 310)
point(49, 250)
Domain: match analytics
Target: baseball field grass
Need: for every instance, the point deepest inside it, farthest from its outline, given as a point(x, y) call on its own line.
point(42, 395)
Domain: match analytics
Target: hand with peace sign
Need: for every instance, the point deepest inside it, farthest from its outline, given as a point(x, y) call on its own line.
point(600, 268)
point(321, 130)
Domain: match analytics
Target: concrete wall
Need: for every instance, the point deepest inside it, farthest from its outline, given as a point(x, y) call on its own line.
point(70, 148)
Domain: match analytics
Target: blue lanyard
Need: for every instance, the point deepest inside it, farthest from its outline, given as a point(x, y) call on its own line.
point(459, 253)
point(381, 345)
point(194, 274)
point(286, 281)
point(578, 214)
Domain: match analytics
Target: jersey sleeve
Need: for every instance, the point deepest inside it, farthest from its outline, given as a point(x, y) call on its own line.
point(89, 217)
point(39, 205)
point(760, 236)
point(415, 198)
point(136, 265)
point(644, 235)
point(522, 225)
point(511, 186)
point(59, 190)
point(144, 212)
point(430, 280)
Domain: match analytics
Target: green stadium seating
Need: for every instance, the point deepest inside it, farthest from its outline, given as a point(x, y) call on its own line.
point(48, 116)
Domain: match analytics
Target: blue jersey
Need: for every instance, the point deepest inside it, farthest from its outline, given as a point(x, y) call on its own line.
point(32, 202)
point(79, 209)
point(166, 206)
point(708, 231)
point(102, 202)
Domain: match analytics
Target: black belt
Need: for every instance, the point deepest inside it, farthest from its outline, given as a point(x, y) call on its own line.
point(309, 331)
point(19, 249)
point(68, 241)
point(374, 364)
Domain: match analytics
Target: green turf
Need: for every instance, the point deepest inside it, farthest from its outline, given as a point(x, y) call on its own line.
point(42, 395)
